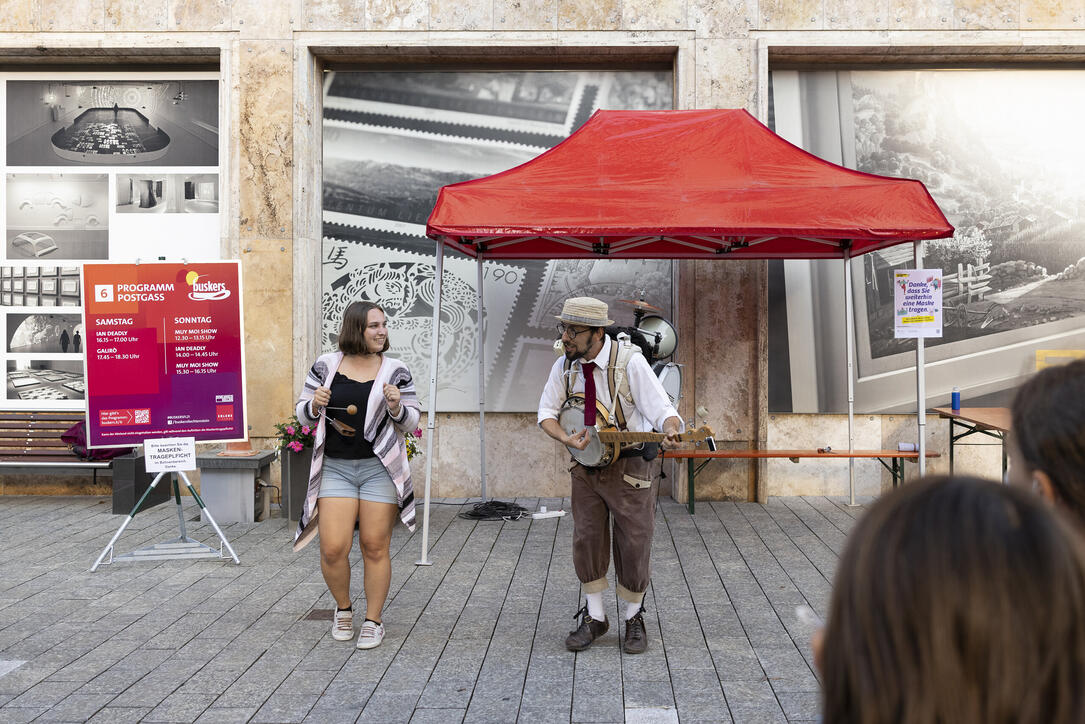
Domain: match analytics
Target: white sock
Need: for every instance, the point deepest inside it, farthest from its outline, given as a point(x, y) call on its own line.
point(631, 610)
point(595, 605)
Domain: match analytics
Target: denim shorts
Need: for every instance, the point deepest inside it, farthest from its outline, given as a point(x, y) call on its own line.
point(364, 479)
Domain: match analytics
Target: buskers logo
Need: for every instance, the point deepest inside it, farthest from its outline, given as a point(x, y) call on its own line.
point(203, 291)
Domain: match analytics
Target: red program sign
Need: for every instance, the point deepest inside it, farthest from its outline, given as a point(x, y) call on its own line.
point(164, 352)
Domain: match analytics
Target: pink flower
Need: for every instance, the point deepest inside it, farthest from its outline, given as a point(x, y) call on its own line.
point(290, 430)
point(418, 433)
point(305, 430)
point(295, 446)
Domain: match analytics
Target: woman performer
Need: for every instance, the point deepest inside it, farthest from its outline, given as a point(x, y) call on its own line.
point(361, 402)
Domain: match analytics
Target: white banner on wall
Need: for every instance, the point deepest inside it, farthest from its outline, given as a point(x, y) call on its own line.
point(917, 303)
point(97, 167)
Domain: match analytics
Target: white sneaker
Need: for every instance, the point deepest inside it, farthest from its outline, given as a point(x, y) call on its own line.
point(371, 635)
point(343, 625)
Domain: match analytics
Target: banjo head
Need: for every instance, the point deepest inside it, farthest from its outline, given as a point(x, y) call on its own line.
point(571, 419)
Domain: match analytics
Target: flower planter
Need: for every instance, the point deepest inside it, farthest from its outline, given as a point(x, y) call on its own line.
point(295, 480)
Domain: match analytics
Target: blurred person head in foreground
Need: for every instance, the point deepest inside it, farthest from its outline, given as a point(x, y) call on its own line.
point(961, 601)
point(1047, 438)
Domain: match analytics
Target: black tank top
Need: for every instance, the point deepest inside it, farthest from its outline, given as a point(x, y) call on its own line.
point(345, 392)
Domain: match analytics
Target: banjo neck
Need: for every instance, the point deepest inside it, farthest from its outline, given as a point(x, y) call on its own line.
point(616, 436)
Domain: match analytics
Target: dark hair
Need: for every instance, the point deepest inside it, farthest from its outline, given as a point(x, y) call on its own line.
point(957, 600)
point(1048, 428)
point(636, 337)
point(352, 332)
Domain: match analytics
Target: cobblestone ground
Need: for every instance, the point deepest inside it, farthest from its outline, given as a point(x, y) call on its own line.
point(476, 637)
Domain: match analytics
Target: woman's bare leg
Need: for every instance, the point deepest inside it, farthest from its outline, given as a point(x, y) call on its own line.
point(375, 523)
point(335, 522)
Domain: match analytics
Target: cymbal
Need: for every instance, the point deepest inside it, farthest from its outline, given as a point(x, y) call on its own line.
point(640, 305)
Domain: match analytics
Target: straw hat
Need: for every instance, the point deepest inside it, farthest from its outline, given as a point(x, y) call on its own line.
point(585, 310)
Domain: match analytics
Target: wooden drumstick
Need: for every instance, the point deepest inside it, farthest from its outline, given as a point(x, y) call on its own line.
point(351, 409)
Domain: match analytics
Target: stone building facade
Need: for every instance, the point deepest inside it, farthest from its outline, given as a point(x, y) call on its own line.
point(271, 56)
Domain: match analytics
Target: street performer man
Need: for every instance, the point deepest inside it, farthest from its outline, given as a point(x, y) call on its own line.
point(627, 487)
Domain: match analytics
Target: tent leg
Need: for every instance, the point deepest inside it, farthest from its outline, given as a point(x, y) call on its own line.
point(850, 342)
point(481, 381)
point(431, 415)
point(921, 382)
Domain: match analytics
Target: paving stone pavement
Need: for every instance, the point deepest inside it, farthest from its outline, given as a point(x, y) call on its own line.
point(476, 637)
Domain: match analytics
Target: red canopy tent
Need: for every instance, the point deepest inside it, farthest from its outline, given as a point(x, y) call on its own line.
point(681, 185)
point(699, 184)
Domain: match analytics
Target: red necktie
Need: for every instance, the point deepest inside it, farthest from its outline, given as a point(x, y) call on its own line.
point(588, 369)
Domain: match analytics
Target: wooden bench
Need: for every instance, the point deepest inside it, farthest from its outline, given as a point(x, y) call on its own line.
point(30, 444)
point(895, 465)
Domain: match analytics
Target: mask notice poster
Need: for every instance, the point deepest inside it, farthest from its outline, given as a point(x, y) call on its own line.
point(164, 354)
point(918, 303)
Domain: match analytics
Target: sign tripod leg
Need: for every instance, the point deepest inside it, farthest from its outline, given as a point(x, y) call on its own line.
point(183, 547)
point(180, 512)
point(210, 518)
point(139, 504)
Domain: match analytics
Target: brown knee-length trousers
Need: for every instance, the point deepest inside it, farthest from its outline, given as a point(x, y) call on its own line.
point(625, 491)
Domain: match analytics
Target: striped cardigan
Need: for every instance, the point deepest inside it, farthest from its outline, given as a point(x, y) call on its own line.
point(381, 429)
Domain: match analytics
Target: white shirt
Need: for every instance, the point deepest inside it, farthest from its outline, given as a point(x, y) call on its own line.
point(653, 406)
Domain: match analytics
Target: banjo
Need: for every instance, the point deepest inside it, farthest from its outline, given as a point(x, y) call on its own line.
point(605, 441)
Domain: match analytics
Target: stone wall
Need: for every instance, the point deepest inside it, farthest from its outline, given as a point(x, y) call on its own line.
point(271, 55)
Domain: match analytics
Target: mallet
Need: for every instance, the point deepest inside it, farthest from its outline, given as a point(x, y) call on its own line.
point(351, 409)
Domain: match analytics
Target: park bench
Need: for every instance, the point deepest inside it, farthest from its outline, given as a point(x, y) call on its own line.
point(895, 458)
point(30, 444)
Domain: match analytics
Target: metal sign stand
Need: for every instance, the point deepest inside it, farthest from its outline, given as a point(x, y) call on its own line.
point(177, 548)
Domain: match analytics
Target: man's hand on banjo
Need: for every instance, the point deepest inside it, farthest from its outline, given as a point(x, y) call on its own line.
point(579, 440)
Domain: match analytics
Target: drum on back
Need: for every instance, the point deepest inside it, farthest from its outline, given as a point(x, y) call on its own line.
point(670, 376)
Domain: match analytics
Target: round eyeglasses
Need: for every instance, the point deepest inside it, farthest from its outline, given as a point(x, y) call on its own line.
point(573, 331)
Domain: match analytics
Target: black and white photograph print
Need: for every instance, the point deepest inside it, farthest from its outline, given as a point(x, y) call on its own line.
point(1001, 152)
point(403, 284)
point(167, 193)
point(393, 139)
point(112, 122)
point(402, 174)
point(541, 96)
point(39, 286)
point(44, 333)
point(37, 379)
point(57, 216)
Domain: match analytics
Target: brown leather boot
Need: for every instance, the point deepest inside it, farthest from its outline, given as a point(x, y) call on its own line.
point(588, 630)
point(636, 638)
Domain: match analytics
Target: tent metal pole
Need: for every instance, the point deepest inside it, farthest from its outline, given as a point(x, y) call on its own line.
point(921, 382)
point(850, 342)
point(431, 415)
point(481, 381)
